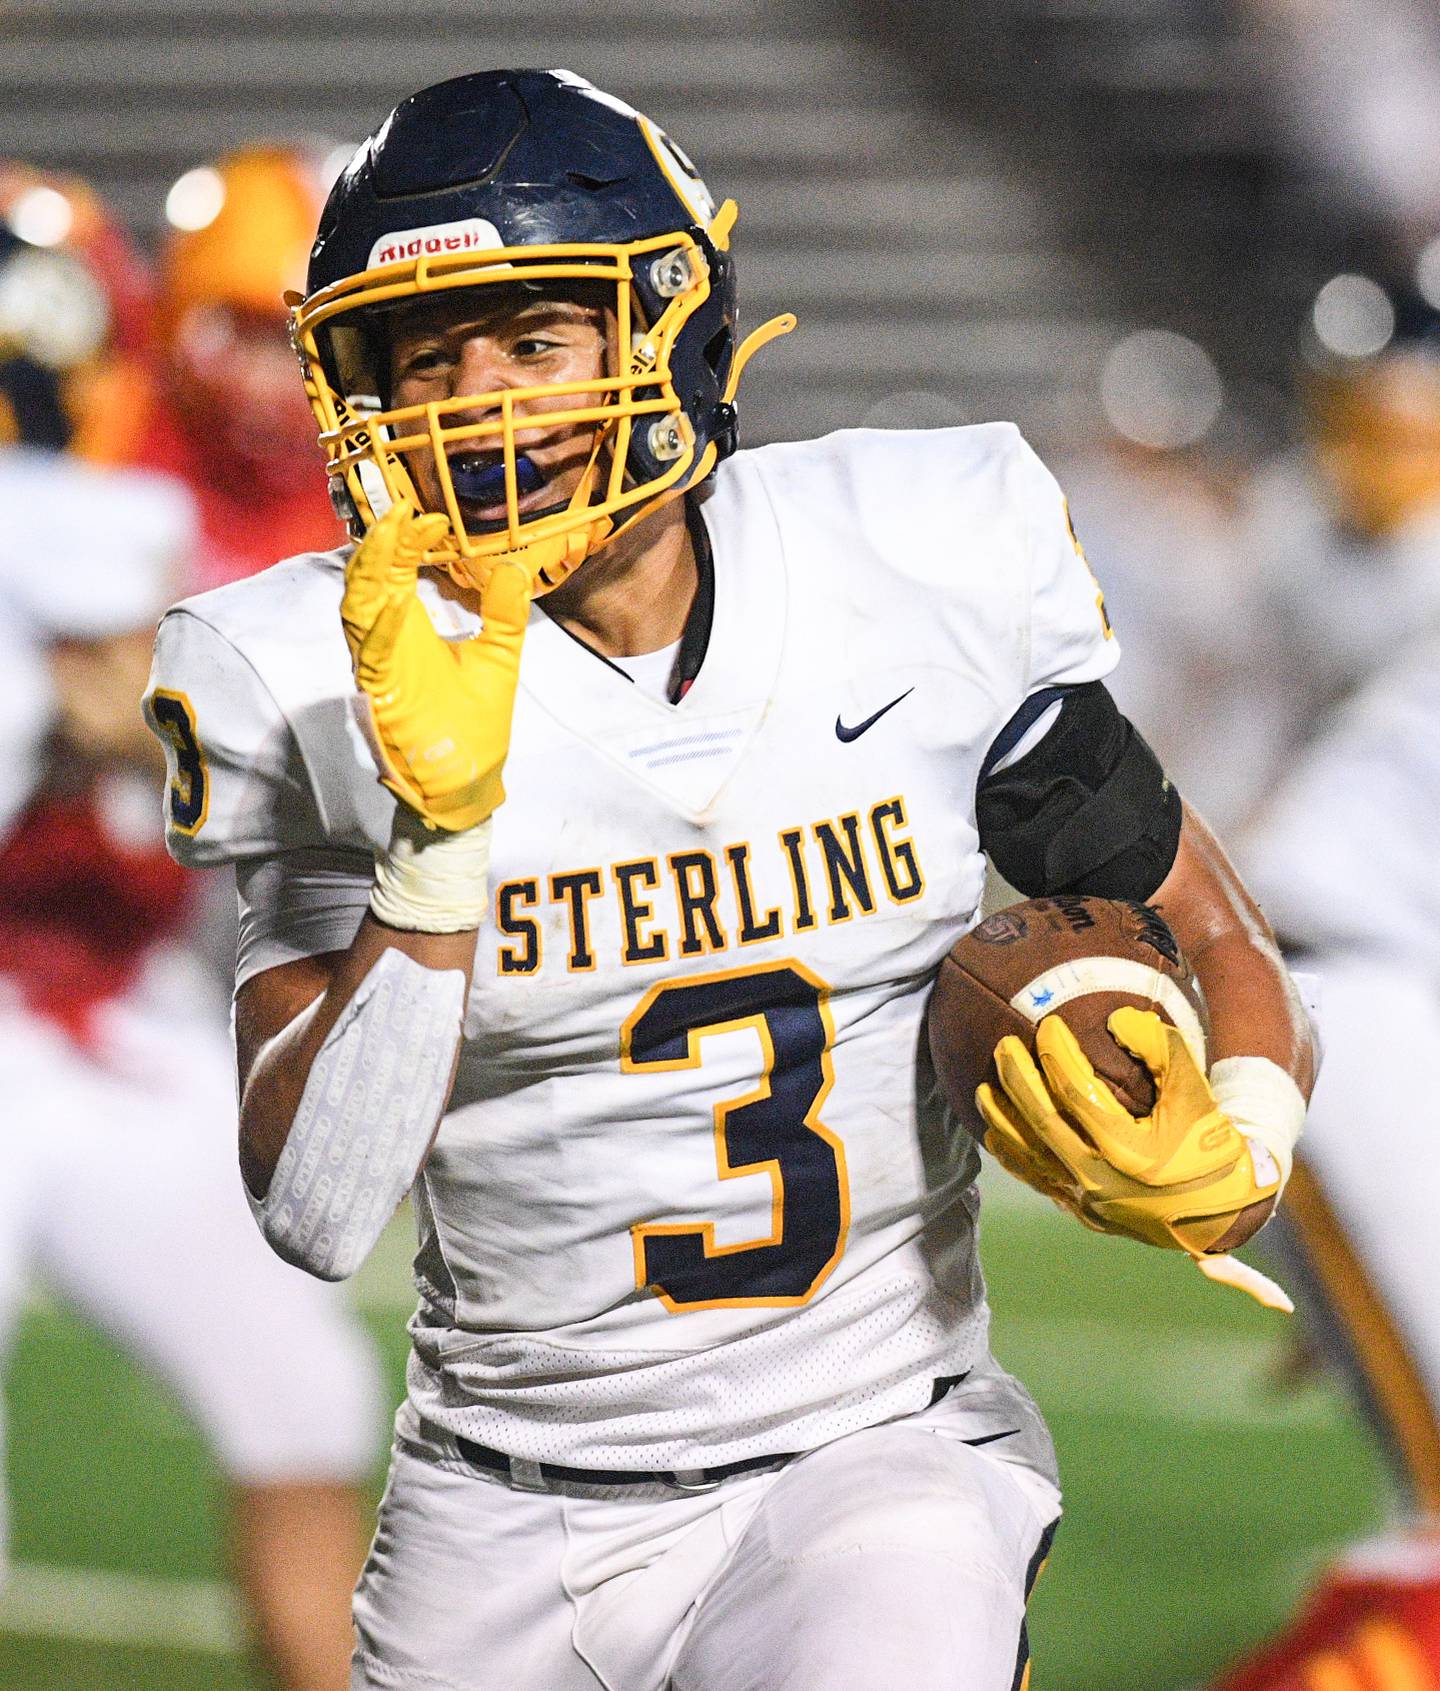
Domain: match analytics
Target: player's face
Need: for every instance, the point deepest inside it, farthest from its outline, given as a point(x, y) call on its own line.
point(472, 344)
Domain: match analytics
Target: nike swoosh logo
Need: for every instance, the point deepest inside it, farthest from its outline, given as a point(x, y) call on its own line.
point(990, 1438)
point(848, 734)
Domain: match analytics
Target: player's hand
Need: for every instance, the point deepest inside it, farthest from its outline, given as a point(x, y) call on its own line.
point(440, 709)
point(1178, 1177)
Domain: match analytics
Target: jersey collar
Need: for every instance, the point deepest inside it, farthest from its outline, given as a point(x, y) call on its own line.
point(729, 659)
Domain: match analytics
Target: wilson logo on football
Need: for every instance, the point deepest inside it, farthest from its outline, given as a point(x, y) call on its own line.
point(469, 234)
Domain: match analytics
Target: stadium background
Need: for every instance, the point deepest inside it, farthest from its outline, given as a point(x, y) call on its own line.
point(973, 208)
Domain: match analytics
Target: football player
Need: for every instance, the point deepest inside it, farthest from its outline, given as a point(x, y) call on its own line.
point(75, 319)
point(1346, 526)
point(114, 1060)
point(700, 1392)
point(228, 417)
point(1345, 860)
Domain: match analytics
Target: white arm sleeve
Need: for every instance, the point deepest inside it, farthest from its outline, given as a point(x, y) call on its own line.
point(366, 1117)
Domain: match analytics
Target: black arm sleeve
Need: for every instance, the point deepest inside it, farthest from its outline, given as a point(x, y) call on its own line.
point(1087, 810)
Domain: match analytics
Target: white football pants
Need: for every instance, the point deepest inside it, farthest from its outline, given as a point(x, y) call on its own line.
point(897, 1556)
point(120, 1190)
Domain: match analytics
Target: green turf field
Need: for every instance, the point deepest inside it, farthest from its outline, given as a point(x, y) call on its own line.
point(1198, 1497)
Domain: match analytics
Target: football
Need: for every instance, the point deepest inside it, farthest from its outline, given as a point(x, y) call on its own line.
point(1082, 957)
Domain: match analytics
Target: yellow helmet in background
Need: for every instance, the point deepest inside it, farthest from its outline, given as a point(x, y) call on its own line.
point(241, 228)
point(241, 232)
point(1371, 401)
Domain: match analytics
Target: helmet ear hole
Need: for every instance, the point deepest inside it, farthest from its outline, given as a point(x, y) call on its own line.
point(716, 352)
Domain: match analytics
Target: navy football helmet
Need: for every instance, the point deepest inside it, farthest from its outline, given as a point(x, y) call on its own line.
point(540, 179)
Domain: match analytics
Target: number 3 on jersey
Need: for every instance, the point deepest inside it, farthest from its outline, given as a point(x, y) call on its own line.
point(189, 795)
point(773, 1130)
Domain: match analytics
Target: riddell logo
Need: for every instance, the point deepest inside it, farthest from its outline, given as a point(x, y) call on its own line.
point(470, 234)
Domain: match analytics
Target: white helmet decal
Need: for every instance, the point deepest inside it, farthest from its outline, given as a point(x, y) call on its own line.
point(680, 173)
point(466, 234)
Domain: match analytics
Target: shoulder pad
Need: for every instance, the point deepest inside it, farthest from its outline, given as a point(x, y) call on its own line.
point(252, 696)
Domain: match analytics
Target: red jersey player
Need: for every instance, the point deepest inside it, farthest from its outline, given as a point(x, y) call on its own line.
point(229, 418)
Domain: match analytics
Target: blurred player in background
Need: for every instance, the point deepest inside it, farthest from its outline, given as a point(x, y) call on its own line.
point(117, 1160)
point(1346, 526)
point(173, 382)
point(230, 420)
point(1283, 591)
point(75, 319)
point(1207, 660)
point(1345, 858)
point(1285, 585)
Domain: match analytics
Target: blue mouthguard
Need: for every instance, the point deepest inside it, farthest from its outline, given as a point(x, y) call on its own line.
point(487, 486)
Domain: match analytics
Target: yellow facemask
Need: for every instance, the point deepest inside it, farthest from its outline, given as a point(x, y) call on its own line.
point(366, 442)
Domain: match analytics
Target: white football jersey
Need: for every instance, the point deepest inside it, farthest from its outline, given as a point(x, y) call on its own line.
point(695, 1198)
point(1343, 857)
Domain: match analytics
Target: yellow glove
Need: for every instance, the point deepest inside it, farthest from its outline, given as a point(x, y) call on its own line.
point(1176, 1178)
point(440, 709)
